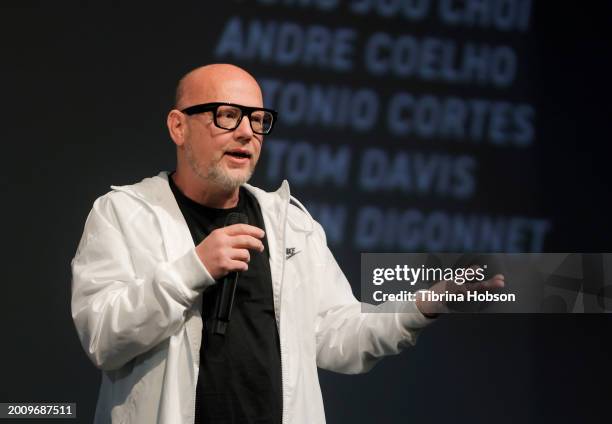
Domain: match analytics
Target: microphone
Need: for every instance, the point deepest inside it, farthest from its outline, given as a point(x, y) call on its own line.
point(227, 291)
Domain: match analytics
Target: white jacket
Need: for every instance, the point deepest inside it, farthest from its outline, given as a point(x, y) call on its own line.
point(136, 285)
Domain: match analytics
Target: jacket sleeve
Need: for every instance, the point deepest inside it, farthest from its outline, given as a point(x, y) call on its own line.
point(351, 341)
point(118, 314)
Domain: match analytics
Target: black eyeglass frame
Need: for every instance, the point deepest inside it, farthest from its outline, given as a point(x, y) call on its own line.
point(244, 110)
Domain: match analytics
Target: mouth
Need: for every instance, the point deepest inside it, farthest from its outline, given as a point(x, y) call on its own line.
point(239, 154)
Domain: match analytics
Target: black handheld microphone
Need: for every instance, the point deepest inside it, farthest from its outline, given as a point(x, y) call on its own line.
point(227, 291)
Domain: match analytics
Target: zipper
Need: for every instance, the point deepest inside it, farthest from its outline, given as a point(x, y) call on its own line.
point(280, 303)
point(193, 398)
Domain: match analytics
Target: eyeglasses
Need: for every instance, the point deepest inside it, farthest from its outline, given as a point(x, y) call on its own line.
point(228, 116)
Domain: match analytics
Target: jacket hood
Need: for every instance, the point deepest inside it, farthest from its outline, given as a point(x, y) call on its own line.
point(156, 191)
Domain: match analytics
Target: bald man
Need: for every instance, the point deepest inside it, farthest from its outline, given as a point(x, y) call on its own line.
point(150, 264)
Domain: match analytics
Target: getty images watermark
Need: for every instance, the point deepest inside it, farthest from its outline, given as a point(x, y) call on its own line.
point(429, 275)
point(534, 282)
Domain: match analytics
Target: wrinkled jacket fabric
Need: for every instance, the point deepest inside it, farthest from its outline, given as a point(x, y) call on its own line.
point(136, 302)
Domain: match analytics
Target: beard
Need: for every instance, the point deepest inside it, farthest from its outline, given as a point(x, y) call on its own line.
point(215, 173)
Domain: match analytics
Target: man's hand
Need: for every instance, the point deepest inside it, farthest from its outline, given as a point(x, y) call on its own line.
point(432, 308)
point(226, 249)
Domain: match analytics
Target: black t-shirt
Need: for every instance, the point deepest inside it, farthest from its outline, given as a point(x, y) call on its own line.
point(240, 373)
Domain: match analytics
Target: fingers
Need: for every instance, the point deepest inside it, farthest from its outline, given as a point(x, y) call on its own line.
point(244, 236)
point(233, 260)
point(239, 266)
point(228, 249)
point(244, 229)
point(246, 242)
point(242, 255)
point(496, 282)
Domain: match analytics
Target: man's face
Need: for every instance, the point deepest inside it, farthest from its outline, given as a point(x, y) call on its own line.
point(217, 155)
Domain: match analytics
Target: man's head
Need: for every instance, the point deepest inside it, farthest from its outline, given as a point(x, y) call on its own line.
point(209, 156)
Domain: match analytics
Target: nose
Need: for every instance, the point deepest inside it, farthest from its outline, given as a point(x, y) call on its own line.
point(244, 130)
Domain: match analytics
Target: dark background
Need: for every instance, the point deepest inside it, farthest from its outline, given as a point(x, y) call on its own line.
point(85, 96)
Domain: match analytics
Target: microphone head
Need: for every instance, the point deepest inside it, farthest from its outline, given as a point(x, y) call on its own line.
point(236, 218)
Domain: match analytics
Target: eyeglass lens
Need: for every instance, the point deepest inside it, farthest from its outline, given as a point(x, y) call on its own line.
point(229, 117)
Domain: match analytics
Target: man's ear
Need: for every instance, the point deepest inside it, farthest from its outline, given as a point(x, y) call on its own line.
point(177, 126)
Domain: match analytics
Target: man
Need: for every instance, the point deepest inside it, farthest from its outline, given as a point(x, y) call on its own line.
point(146, 272)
